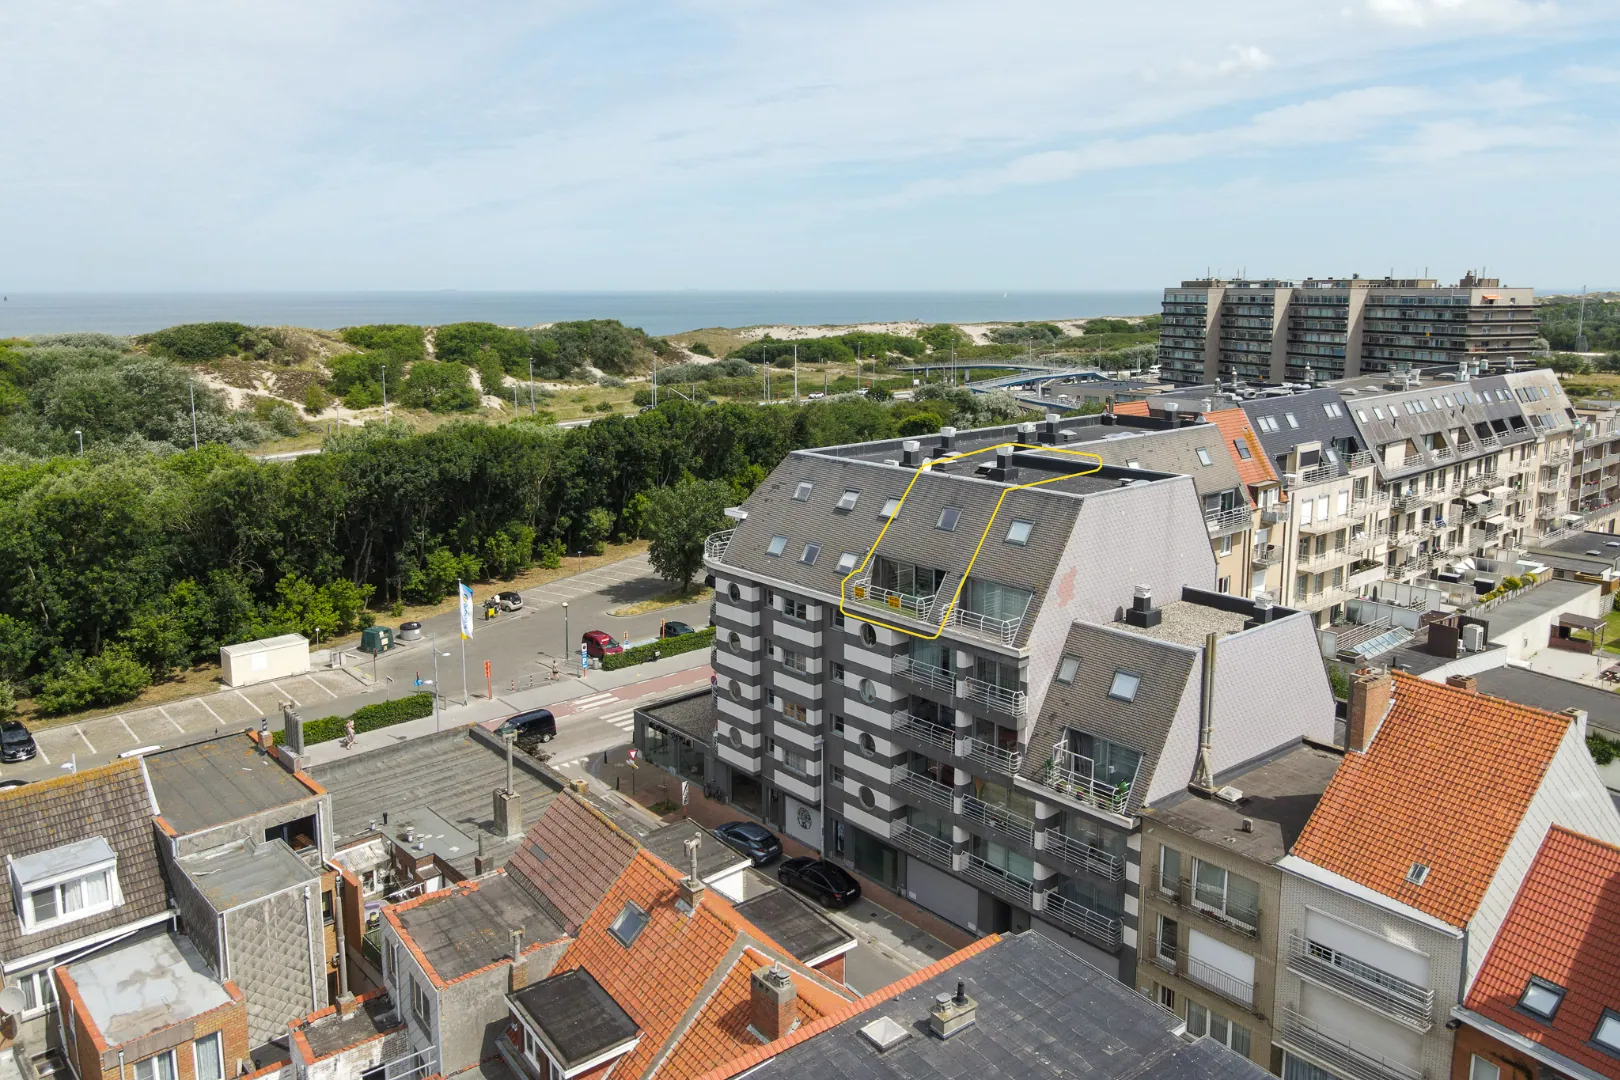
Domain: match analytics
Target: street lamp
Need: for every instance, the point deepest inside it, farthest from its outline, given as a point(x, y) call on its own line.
point(565, 630)
point(80, 434)
point(436, 655)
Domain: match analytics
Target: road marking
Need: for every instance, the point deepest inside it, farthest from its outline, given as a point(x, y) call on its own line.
point(204, 703)
point(249, 701)
point(41, 750)
point(322, 685)
point(171, 720)
point(86, 738)
point(290, 698)
point(624, 721)
point(595, 701)
point(129, 729)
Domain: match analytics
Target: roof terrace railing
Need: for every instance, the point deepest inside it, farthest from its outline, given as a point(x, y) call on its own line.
point(714, 547)
point(1074, 775)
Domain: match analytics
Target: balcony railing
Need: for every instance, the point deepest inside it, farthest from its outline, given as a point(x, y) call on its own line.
point(1022, 890)
point(1442, 453)
point(1002, 630)
point(1183, 894)
point(1081, 854)
point(923, 787)
point(1395, 997)
point(1338, 1052)
point(938, 736)
point(994, 757)
point(998, 817)
point(918, 607)
point(1014, 703)
point(1077, 918)
point(1360, 459)
point(1265, 554)
point(1162, 953)
point(928, 675)
point(714, 547)
point(1213, 978)
point(1327, 470)
point(1074, 775)
point(931, 847)
point(1225, 521)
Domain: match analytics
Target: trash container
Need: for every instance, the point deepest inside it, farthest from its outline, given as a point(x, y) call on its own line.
point(410, 631)
point(376, 639)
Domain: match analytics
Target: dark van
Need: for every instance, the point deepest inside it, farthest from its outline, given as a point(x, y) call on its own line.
point(536, 725)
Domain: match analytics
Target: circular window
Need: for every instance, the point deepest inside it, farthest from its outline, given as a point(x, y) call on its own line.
point(735, 641)
point(868, 691)
point(868, 744)
point(735, 690)
point(868, 799)
point(734, 592)
point(869, 634)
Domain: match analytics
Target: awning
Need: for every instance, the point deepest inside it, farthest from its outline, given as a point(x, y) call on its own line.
point(1499, 491)
point(1496, 519)
point(1580, 622)
point(1570, 517)
point(1475, 500)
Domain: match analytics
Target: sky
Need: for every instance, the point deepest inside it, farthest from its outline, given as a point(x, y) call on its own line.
point(743, 144)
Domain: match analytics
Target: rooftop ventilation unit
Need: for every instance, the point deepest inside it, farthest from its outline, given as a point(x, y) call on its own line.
point(1229, 794)
point(1142, 613)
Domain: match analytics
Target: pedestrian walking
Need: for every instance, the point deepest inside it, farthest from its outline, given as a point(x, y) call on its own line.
point(348, 734)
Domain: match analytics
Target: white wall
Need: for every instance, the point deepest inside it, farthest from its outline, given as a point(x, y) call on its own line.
point(1270, 688)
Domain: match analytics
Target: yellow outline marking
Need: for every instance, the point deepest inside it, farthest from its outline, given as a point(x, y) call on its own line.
point(844, 583)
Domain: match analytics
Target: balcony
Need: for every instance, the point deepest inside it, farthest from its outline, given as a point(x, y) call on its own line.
point(1327, 470)
point(1442, 453)
point(1221, 522)
point(922, 787)
point(1369, 500)
point(1391, 995)
point(935, 678)
point(1476, 483)
point(1078, 919)
point(1213, 978)
point(935, 849)
point(1361, 459)
point(1001, 882)
point(935, 736)
point(714, 547)
point(993, 757)
point(1002, 630)
point(921, 608)
point(1078, 853)
point(1273, 515)
point(999, 818)
point(1013, 703)
point(1181, 893)
point(1073, 775)
point(1265, 555)
point(1336, 1052)
point(1162, 953)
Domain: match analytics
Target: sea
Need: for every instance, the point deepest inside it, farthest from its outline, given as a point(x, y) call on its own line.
point(658, 313)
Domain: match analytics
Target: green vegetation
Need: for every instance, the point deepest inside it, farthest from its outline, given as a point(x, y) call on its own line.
point(943, 338)
point(677, 519)
point(198, 342)
point(366, 718)
point(641, 654)
point(406, 342)
point(1560, 319)
point(1603, 750)
point(439, 387)
point(842, 349)
point(560, 351)
point(701, 349)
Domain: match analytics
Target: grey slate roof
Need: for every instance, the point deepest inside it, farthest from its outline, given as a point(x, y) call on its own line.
point(111, 802)
point(1490, 411)
point(793, 924)
point(693, 715)
point(1549, 692)
point(1173, 451)
point(668, 842)
point(1084, 705)
point(1042, 1012)
point(1314, 424)
point(218, 780)
point(465, 929)
point(1278, 797)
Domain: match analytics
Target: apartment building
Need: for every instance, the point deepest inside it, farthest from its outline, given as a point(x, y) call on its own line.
point(1596, 464)
point(975, 716)
point(1395, 892)
point(1211, 895)
point(1228, 331)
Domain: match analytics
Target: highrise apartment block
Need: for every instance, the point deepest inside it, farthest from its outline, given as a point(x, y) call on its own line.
point(1218, 330)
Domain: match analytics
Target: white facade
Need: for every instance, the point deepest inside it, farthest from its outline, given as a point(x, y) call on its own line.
point(260, 661)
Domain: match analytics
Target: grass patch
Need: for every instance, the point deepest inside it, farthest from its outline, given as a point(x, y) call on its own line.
point(673, 598)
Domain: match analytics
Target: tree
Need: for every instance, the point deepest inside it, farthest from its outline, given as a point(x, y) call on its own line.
point(679, 520)
point(439, 387)
point(593, 531)
point(925, 423)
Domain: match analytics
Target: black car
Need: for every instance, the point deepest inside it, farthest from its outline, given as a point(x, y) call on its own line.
point(676, 629)
point(753, 840)
point(534, 726)
point(16, 743)
point(827, 882)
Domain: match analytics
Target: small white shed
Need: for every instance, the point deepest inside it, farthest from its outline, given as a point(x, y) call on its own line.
point(260, 661)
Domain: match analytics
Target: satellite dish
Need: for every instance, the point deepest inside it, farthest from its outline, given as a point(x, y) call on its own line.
point(12, 1001)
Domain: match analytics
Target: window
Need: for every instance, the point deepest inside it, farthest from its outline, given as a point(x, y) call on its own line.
point(38, 990)
point(795, 761)
point(889, 507)
point(1482, 1069)
point(421, 1006)
point(1169, 937)
point(802, 492)
point(838, 724)
point(1542, 998)
point(1417, 874)
point(1607, 1035)
point(846, 562)
point(1204, 458)
point(795, 661)
point(1361, 414)
point(838, 672)
point(1378, 411)
point(1293, 423)
point(868, 635)
point(1124, 686)
point(847, 500)
point(1202, 1021)
point(734, 592)
point(1169, 870)
point(1018, 533)
point(209, 1058)
point(770, 698)
point(795, 609)
point(811, 551)
point(1225, 894)
point(68, 883)
point(777, 545)
point(1225, 546)
point(157, 1067)
point(1267, 423)
point(630, 922)
point(1242, 448)
point(1067, 668)
point(868, 691)
point(867, 743)
point(796, 712)
point(838, 617)
point(948, 518)
point(1332, 409)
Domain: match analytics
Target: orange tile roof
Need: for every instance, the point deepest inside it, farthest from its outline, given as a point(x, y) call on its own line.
point(681, 978)
point(1235, 427)
point(1564, 926)
point(1446, 783)
point(1132, 408)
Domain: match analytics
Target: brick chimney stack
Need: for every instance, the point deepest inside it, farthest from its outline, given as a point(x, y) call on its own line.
point(518, 976)
point(773, 1004)
point(1371, 694)
point(1463, 682)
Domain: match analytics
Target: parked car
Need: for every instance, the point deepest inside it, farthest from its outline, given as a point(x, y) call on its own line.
point(507, 601)
point(830, 884)
point(16, 742)
point(7, 785)
point(598, 644)
point(676, 629)
point(751, 839)
point(536, 725)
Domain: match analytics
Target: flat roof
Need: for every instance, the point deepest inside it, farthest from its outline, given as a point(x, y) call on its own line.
point(1278, 797)
point(375, 1017)
point(693, 716)
point(144, 985)
point(1187, 623)
point(1541, 691)
point(1607, 545)
point(1547, 597)
point(578, 1018)
point(243, 873)
point(422, 832)
point(212, 782)
point(796, 926)
point(714, 857)
point(464, 929)
point(243, 648)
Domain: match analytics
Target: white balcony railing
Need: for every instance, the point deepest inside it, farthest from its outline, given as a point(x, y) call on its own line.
point(1002, 630)
point(929, 846)
point(1227, 985)
point(1077, 918)
point(994, 757)
point(1338, 1052)
point(936, 678)
point(1395, 997)
point(714, 547)
point(998, 817)
point(1014, 703)
point(1074, 775)
point(918, 607)
point(1081, 854)
point(1020, 889)
point(1225, 521)
point(923, 787)
point(937, 736)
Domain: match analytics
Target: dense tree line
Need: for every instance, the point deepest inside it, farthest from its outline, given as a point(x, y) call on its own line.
point(1601, 324)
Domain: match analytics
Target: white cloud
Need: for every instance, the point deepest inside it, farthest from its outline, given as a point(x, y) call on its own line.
point(1421, 13)
point(1591, 75)
point(1241, 60)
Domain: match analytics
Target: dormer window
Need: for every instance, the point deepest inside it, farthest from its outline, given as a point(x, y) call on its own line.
point(65, 884)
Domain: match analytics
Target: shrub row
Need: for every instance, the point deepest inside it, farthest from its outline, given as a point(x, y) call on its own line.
point(700, 639)
point(367, 718)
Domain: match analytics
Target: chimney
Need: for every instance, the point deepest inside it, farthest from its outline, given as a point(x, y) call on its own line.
point(1026, 432)
point(947, 442)
point(1203, 768)
point(1142, 613)
point(518, 975)
point(1463, 682)
point(952, 1015)
point(1579, 716)
point(773, 1008)
point(1049, 429)
point(1005, 471)
point(692, 886)
point(1371, 694)
point(911, 453)
point(1264, 612)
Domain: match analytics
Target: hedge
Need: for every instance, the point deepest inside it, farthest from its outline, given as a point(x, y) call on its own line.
point(367, 718)
point(700, 639)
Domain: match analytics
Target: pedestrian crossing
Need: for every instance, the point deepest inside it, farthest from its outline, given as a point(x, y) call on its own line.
point(623, 721)
point(594, 701)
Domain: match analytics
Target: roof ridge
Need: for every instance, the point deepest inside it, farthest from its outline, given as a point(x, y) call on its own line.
point(1578, 836)
point(79, 776)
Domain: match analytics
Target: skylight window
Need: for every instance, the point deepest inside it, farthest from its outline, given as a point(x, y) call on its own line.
point(811, 551)
point(1378, 411)
point(1203, 457)
point(889, 508)
point(1124, 686)
point(802, 492)
point(1361, 414)
point(1291, 421)
point(1417, 874)
point(1018, 533)
point(1242, 448)
point(948, 518)
point(1067, 669)
point(1267, 423)
point(1333, 409)
point(847, 500)
point(777, 545)
point(1541, 998)
point(1607, 1034)
point(629, 924)
point(846, 562)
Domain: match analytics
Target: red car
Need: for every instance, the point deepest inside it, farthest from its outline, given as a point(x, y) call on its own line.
point(599, 644)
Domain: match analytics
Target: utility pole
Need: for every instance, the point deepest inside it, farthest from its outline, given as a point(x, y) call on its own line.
point(435, 680)
point(531, 386)
point(795, 372)
point(1580, 324)
point(765, 368)
point(655, 381)
point(191, 388)
point(384, 370)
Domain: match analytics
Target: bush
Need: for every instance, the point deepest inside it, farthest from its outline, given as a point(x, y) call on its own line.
point(1603, 750)
point(700, 348)
point(612, 382)
point(316, 399)
point(438, 387)
point(197, 342)
point(943, 338)
point(925, 423)
point(641, 654)
point(405, 342)
point(114, 676)
point(593, 531)
point(367, 718)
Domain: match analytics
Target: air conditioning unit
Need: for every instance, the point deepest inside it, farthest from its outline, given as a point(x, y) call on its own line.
point(1473, 637)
